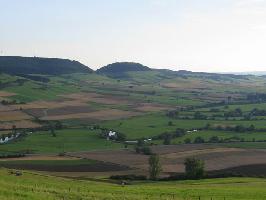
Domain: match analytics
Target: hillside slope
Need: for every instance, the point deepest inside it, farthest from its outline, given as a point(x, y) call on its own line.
point(33, 186)
point(36, 65)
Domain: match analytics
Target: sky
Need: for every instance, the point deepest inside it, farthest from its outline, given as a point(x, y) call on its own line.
point(196, 35)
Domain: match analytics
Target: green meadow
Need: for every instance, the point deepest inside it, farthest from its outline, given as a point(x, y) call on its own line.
point(69, 140)
point(32, 186)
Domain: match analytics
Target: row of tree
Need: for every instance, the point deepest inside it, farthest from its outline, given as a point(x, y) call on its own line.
point(194, 168)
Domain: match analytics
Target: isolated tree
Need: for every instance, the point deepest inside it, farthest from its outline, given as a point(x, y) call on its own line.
point(155, 167)
point(194, 168)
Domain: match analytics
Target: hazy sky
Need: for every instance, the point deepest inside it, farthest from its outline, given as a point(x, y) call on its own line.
point(198, 35)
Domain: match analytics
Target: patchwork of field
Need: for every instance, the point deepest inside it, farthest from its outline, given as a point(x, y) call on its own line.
point(74, 106)
point(77, 106)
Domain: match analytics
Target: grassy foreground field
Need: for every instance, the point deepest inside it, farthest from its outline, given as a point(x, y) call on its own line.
point(31, 186)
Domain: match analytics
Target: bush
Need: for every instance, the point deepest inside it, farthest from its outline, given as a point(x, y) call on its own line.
point(18, 155)
point(199, 140)
point(194, 168)
point(144, 150)
point(214, 139)
point(170, 123)
point(120, 137)
point(187, 141)
point(130, 177)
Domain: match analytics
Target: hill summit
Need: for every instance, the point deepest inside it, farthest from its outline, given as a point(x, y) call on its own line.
point(122, 67)
point(37, 65)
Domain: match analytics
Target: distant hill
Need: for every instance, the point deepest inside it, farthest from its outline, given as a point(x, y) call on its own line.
point(121, 68)
point(36, 65)
point(256, 73)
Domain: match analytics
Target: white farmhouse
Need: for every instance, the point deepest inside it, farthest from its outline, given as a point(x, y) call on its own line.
point(111, 134)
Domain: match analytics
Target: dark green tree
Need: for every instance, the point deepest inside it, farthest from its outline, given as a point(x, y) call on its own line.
point(155, 167)
point(194, 168)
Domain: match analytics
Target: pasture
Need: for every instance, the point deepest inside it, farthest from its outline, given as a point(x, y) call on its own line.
point(66, 140)
point(33, 186)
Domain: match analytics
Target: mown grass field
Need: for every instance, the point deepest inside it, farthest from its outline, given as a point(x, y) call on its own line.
point(66, 140)
point(31, 186)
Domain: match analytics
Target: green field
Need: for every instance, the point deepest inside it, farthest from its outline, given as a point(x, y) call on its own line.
point(69, 140)
point(155, 124)
point(31, 186)
point(206, 135)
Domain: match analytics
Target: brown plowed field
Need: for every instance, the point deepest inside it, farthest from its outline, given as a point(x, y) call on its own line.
point(172, 157)
point(19, 124)
point(95, 167)
point(149, 107)
point(257, 170)
point(13, 116)
point(98, 98)
point(6, 94)
point(50, 104)
point(109, 114)
point(40, 112)
point(4, 108)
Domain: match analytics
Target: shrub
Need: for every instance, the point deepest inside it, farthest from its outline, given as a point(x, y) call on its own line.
point(199, 140)
point(187, 141)
point(194, 168)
